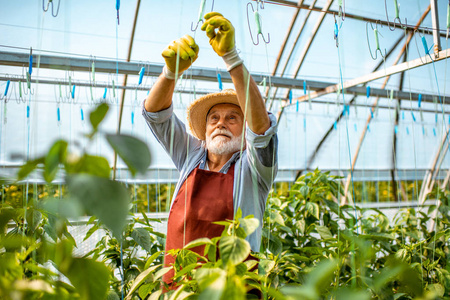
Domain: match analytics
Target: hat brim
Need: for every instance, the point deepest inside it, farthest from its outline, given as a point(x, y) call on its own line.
point(198, 110)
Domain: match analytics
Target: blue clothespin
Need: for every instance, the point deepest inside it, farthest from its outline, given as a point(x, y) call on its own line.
point(368, 91)
point(304, 87)
point(425, 46)
point(73, 92)
point(290, 97)
point(28, 111)
point(396, 129)
point(141, 75)
point(219, 79)
point(30, 64)
point(434, 131)
point(414, 118)
point(371, 113)
point(117, 8)
point(407, 131)
point(423, 130)
point(304, 123)
point(420, 100)
point(82, 114)
point(354, 125)
point(436, 118)
point(104, 94)
point(335, 125)
point(296, 106)
point(403, 115)
point(7, 88)
point(132, 117)
point(58, 114)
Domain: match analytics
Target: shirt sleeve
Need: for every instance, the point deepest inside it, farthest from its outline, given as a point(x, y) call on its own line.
point(171, 134)
point(262, 152)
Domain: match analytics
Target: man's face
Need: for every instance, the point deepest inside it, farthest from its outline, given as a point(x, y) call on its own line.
point(224, 124)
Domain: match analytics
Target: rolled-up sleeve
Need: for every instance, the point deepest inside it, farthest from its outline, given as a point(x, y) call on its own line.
point(171, 134)
point(262, 152)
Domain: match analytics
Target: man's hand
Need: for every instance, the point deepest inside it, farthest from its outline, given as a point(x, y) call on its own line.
point(222, 41)
point(184, 48)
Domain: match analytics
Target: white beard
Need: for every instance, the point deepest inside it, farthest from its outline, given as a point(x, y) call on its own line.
point(221, 145)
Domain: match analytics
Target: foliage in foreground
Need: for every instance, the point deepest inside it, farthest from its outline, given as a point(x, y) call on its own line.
point(312, 248)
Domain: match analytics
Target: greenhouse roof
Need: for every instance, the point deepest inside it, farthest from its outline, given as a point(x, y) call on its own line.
point(391, 114)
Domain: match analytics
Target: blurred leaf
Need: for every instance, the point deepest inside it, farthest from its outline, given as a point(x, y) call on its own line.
point(139, 280)
point(111, 295)
point(233, 249)
point(304, 190)
point(134, 152)
point(215, 287)
point(142, 237)
point(89, 277)
point(65, 208)
point(29, 167)
point(106, 199)
point(324, 232)
point(91, 164)
point(55, 156)
point(97, 115)
point(249, 225)
point(198, 242)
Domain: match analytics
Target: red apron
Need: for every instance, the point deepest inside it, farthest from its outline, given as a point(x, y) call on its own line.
point(203, 198)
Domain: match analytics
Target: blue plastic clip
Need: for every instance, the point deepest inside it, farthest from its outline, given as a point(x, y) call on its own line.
point(436, 118)
point(148, 92)
point(407, 131)
point(7, 87)
point(117, 8)
point(368, 127)
point(396, 129)
point(132, 117)
point(425, 46)
point(368, 91)
point(73, 92)
point(141, 75)
point(59, 115)
point(420, 100)
point(403, 115)
point(423, 130)
point(371, 113)
point(304, 87)
point(335, 125)
point(414, 118)
point(296, 106)
point(82, 114)
point(347, 109)
point(28, 111)
point(304, 123)
point(219, 79)
point(30, 65)
point(290, 97)
point(104, 94)
point(354, 125)
point(434, 131)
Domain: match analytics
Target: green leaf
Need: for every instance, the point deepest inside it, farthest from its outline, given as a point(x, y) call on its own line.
point(300, 225)
point(142, 237)
point(29, 167)
point(97, 115)
point(313, 209)
point(198, 242)
point(55, 156)
point(324, 232)
point(276, 217)
point(139, 280)
point(89, 277)
point(265, 266)
point(233, 249)
point(111, 295)
point(134, 152)
point(215, 287)
point(106, 199)
point(152, 259)
point(91, 164)
point(304, 190)
point(249, 225)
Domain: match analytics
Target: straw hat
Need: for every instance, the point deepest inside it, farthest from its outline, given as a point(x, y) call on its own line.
point(198, 110)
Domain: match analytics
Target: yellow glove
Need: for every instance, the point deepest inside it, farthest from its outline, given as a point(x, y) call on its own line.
point(184, 48)
point(222, 41)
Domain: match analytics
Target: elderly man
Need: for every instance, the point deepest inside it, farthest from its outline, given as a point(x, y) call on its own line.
point(219, 171)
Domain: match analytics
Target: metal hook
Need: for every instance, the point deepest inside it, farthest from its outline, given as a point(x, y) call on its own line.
point(375, 30)
point(258, 25)
point(48, 4)
point(397, 16)
point(201, 13)
point(342, 10)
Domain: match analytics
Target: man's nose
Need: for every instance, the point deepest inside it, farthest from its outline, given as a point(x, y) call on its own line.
point(221, 123)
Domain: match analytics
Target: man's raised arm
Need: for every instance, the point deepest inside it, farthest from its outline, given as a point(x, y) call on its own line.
point(160, 96)
point(221, 37)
